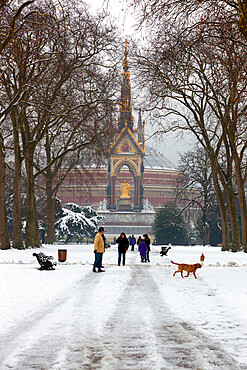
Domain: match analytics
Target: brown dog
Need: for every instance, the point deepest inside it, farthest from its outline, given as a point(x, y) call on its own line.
point(189, 268)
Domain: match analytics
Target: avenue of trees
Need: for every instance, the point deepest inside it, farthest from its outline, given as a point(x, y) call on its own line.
point(58, 80)
point(193, 67)
point(57, 87)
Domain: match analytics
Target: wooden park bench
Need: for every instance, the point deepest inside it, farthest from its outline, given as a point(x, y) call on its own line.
point(164, 251)
point(46, 262)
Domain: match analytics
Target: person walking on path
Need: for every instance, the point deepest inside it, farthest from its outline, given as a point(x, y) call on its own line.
point(99, 249)
point(143, 250)
point(132, 242)
point(147, 242)
point(123, 245)
point(138, 242)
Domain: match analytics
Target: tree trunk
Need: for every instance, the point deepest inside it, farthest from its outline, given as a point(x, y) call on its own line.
point(235, 231)
point(37, 241)
point(226, 240)
point(17, 227)
point(32, 238)
point(205, 225)
point(50, 212)
point(4, 235)
point(242, 200)
point(206, 234)
point(50, 197)
point(229, 191)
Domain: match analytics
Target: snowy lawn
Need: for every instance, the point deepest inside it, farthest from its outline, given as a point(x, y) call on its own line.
point(208, 314)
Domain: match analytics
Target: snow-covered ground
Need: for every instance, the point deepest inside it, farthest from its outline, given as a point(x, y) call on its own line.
point(133, 317)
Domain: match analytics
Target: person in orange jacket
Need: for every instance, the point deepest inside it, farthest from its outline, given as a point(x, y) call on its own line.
point(99, 249)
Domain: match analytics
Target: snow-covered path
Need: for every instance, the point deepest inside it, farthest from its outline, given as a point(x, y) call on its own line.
point(143, 334)
point(115, 320)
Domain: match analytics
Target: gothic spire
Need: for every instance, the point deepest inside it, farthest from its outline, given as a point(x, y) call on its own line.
point(125, 118)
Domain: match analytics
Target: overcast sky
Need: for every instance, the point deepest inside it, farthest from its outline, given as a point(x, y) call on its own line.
point(172, 143)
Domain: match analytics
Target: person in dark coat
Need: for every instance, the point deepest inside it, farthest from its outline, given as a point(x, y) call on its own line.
point(147, 242)
point(143, 250)
point(132, 242)
point(123, 245)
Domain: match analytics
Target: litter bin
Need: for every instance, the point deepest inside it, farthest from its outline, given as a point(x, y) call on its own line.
point(62, 255)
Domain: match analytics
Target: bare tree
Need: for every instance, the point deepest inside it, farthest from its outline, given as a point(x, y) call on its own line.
point(54, 52)
point(195, 187)
point(4, 235)
point(188, 72)
point(76, 116)
point(151, 11)
point(73, 142)
point(10, 13)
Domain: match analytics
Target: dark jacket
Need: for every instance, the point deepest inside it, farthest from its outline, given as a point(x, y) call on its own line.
point(147, 242)
point(123, 244)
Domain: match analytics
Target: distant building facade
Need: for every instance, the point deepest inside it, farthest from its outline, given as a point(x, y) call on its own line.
point(159, 182)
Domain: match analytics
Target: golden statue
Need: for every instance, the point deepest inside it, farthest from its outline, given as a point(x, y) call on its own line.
point(125, 190)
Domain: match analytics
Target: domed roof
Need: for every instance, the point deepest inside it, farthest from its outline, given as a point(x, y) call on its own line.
point(156, 160)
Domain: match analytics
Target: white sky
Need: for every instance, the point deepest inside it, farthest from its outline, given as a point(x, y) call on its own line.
point(172, 143)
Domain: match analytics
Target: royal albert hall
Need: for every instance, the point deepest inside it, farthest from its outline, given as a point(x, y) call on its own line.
point(148, 172)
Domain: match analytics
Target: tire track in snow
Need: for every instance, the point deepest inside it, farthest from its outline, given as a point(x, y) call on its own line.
point(36, 342)
point(143, 334)
point(45, 341)
point(140, 334)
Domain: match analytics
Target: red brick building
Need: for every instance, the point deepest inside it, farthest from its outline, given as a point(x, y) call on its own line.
point(159, 179)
